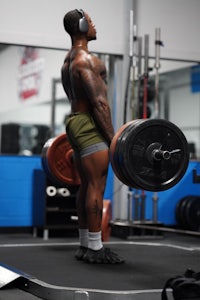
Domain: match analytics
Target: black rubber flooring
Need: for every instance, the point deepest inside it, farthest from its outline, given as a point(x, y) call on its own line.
point(149, 263)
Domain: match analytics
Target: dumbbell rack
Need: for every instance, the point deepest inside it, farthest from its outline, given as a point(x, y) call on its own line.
point(56, 213)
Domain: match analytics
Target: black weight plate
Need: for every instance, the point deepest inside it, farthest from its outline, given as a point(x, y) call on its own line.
point(119, 154)
point(192, 213)
point(122, 147)
point(156, 175)
point(115, 158)
point(178, 212)
point(122, 150)
point(182, 212)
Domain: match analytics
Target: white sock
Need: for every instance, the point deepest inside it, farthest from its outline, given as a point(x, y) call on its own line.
point(83, 237)
point(95, 240)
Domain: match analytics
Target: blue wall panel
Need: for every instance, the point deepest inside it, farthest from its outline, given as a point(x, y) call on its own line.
point(16, 189)
point(108, 194)
point(167, 200)
point(20, 192)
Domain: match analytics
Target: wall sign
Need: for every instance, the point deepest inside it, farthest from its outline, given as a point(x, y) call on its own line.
point(30, 72)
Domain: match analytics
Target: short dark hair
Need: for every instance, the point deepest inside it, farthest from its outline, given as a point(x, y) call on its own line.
point(71, 20)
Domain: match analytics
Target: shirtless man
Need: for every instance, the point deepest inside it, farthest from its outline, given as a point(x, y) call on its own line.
point(89, 130)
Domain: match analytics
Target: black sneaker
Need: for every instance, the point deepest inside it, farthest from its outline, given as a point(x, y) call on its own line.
point(80, 252)
point(102, 256)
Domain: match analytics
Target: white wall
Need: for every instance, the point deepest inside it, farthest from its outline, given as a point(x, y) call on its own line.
point(179, 22)
point(40, 22)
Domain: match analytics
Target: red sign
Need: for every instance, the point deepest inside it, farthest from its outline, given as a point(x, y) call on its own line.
point(30, 71)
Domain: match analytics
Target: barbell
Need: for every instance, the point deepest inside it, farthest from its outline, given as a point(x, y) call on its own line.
point(147, 154)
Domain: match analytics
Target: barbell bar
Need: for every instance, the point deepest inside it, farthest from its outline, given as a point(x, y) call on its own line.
point(147, 154)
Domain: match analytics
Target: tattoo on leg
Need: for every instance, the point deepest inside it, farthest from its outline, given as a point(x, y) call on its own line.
point(96, 210)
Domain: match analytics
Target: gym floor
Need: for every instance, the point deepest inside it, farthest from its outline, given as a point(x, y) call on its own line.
point(48, 270)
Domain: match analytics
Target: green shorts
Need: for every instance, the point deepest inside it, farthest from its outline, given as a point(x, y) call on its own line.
point(83, 134)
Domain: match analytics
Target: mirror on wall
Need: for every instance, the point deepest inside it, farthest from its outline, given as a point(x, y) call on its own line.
point(27, 77)
point(30, 80)
point(180, 94)
point(34, 105)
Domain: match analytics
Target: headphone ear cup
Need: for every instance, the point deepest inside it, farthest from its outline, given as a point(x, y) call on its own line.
point(83, 25)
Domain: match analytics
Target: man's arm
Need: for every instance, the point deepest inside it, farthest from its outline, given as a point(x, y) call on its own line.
point(95, 92)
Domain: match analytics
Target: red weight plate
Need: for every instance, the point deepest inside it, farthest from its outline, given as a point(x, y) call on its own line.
point(59, 159)
point(106, 218)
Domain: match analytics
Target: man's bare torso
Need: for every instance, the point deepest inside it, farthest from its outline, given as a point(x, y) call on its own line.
point(83, 77)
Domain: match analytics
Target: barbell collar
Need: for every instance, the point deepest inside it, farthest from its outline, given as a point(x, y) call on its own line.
point(158, 154)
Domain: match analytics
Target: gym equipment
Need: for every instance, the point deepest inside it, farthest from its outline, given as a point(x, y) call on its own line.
point(51, 191)
point(192, 213)
point(158, 43)
point(57, 161)
point(148, 154)
point(187, 213)
point(63, 192)
point(179, 212)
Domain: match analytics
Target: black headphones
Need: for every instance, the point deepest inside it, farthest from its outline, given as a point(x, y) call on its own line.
point(83, 23)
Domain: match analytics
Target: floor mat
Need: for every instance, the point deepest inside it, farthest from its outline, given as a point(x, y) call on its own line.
point(148, 265)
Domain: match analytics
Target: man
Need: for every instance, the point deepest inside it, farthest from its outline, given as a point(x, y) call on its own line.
point(89, 130)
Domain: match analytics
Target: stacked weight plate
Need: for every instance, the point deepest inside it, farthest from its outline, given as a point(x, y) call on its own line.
point(149, 154)
point(188, 213)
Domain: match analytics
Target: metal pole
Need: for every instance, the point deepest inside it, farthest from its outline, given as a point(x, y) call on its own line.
point(146, 74)
point(139, 73)
point(143, 206)
point(158, 43)
point(130, 206)
point(136, 205)
point(131, 34)
point(155, 207)
point(53, 105)
point(133, 105)
point(130, 63)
